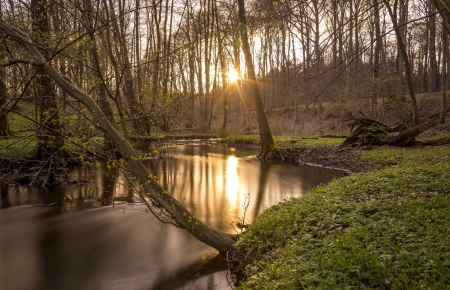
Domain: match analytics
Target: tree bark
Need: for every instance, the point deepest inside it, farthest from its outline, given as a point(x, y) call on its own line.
point(265, 134)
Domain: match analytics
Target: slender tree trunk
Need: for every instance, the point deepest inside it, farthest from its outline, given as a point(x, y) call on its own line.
point(137, 26)
point(444, 76)
point(223, 69)
point(94, 64)
point(140, 122)
point(4, 126)
point(408, 71)
point(434, 72)
point(265, 134)
point(49, 138)
point(377, 55)
point(191, 61)
point(317, 53)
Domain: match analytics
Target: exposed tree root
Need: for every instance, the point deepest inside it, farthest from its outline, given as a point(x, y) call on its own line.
point(367, 132)
point(279, 154)
point(39, 175)
point(237, 265)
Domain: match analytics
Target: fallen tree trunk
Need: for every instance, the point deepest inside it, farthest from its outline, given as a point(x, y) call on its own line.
point(366, 132)
point(150, 188)
point(437, 142)
point(404, 137)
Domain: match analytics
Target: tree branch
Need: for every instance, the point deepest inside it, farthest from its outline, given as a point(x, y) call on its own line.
point(19, 60)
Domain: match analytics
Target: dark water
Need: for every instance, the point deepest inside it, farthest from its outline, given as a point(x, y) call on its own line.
point(71, 237)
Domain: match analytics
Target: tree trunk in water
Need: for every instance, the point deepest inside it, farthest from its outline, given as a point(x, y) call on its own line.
point(265, 134)
point(180, 216)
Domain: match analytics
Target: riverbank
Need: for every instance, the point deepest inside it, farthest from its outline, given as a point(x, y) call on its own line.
point(385, 227)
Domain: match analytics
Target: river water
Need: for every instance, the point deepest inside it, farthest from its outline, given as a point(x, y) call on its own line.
point(99, 236)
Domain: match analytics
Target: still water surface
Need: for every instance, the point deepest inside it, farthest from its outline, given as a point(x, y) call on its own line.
point(71, 237)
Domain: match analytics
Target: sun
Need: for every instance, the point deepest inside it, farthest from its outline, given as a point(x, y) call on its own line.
point(233, 75)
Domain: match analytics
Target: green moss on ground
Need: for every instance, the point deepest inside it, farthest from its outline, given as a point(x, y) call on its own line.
point(384, 229)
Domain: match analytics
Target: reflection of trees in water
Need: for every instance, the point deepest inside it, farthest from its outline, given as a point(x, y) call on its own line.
point(262, 182)
point(204, 267)
point(4, 201)
point(49, 244)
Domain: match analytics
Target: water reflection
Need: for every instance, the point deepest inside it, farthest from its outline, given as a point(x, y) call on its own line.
point(232, 182)
point(66, 238)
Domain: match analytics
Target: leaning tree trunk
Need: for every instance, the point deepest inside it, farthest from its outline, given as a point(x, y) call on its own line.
point(265, 134)
point(180, 216)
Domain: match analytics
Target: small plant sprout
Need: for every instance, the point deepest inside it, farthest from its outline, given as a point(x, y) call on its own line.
point(245, 204)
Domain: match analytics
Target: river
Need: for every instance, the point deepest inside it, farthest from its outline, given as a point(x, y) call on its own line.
point(99, 236)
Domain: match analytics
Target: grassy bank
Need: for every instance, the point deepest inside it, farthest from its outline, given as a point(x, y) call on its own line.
point(287, 141)
point(383, 229)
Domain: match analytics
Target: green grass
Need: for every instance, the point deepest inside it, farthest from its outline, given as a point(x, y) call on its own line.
point(19, 147)
point(286, 141)
point(395, 230)
point(22, 147)
point(17, 123)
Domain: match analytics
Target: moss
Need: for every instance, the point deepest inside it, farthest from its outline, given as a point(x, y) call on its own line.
point(384, 229)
